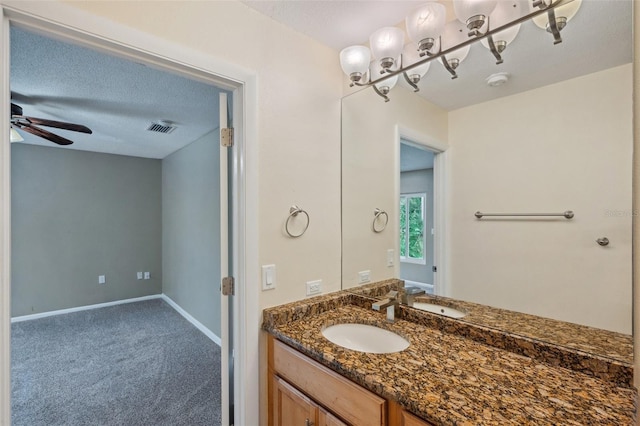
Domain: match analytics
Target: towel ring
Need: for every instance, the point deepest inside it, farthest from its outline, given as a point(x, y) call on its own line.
point(377, 213)
point(293, 212)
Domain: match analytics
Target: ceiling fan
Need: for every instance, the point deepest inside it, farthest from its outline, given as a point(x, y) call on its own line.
point(30, 125)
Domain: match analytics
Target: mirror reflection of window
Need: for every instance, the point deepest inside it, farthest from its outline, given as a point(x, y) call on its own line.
point(412, 228)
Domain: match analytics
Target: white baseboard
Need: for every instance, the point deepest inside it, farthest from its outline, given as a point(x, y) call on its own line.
point(197, 324)
point(83, 308)
point(210, 334)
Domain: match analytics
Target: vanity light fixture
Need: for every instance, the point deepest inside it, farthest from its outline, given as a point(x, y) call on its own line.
point(556, 19)
point(425, 24)
point(505, 12)
point(386, 45)
point(473, 13)
point(494, 23)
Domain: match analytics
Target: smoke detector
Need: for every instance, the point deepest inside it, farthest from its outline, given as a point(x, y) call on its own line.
point(498, 79)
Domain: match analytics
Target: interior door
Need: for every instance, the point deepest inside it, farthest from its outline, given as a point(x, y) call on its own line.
point(226, 302)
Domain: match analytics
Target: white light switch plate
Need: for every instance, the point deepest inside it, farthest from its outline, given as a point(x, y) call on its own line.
point(268, 277)
point(147, 275)
point(391, 254)
point(139, 275)
point(102, 279)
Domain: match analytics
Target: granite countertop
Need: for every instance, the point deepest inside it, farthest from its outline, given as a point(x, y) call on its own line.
point(450, 379)
point(601, 353)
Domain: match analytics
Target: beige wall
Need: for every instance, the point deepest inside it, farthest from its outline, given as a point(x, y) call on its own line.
point(370, 180)
point(566, 146)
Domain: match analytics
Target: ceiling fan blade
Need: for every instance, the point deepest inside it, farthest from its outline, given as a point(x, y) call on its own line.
point(60, 125)
point(44, 134)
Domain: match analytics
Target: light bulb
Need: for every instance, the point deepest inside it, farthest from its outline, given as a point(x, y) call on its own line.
point(386, 45)
point(354, 61)
point(425, 24)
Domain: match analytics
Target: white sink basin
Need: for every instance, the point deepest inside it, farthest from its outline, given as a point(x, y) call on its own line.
point(438, 309)
point(365, 338)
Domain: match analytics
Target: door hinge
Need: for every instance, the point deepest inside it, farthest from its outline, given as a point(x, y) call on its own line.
point(226, 136)
point(228, 286)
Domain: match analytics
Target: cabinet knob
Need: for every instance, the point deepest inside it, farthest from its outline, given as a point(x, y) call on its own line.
point(308, 423)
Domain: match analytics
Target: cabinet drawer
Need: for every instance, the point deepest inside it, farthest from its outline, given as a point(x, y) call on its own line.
point(351, 402)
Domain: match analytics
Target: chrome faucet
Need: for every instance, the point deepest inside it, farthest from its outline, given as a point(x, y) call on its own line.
point(409, 295)
point(390, 302)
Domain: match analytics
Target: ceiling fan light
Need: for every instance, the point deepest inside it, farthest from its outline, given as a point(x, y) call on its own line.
point(563, 14)
point(386, 45)
point(425, 24)
point(14, 136)
point(354, 61)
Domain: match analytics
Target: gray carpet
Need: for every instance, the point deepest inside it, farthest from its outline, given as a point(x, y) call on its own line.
point(134, 364)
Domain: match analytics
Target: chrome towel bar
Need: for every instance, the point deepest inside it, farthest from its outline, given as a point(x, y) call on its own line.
point(567, 215)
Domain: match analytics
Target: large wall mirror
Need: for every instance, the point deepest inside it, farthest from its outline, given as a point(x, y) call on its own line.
point(557, 136)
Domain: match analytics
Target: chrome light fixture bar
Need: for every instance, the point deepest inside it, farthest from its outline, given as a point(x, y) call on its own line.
point(382, 85)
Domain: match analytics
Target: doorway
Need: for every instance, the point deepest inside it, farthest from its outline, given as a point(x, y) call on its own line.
point(425, 162)
point(417, 211)
point(158, 53)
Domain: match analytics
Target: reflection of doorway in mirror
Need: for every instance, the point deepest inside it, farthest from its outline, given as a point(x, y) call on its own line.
point(416, 216)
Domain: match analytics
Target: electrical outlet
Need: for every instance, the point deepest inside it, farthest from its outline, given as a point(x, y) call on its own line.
point(147, 275)
point(139, 275)
point(102, 279)
point(391, 254)
point(314, 287)
point(268, 277)
point(363, 277)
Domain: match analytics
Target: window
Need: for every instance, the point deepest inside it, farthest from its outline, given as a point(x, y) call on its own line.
point(412, 222)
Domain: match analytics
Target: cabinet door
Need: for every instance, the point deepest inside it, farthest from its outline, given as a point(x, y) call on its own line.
point(328, 419)
point(291, 407)
point(411, 420)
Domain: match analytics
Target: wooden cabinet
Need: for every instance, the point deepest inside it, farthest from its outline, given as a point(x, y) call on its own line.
point(293, 408)
point(303, 392)
point(408, 419)
point(301, 389)
point(328, 419)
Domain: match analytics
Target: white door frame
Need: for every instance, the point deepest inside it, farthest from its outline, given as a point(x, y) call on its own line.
point(440, 198)
point(61, 20)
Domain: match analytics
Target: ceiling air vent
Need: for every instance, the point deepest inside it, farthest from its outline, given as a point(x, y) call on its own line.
point(161, 126)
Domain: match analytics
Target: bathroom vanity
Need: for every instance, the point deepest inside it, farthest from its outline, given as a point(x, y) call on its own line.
point(448, 375)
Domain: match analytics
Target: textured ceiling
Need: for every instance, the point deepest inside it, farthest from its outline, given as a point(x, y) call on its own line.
point(116, 98)
point(597, 38)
